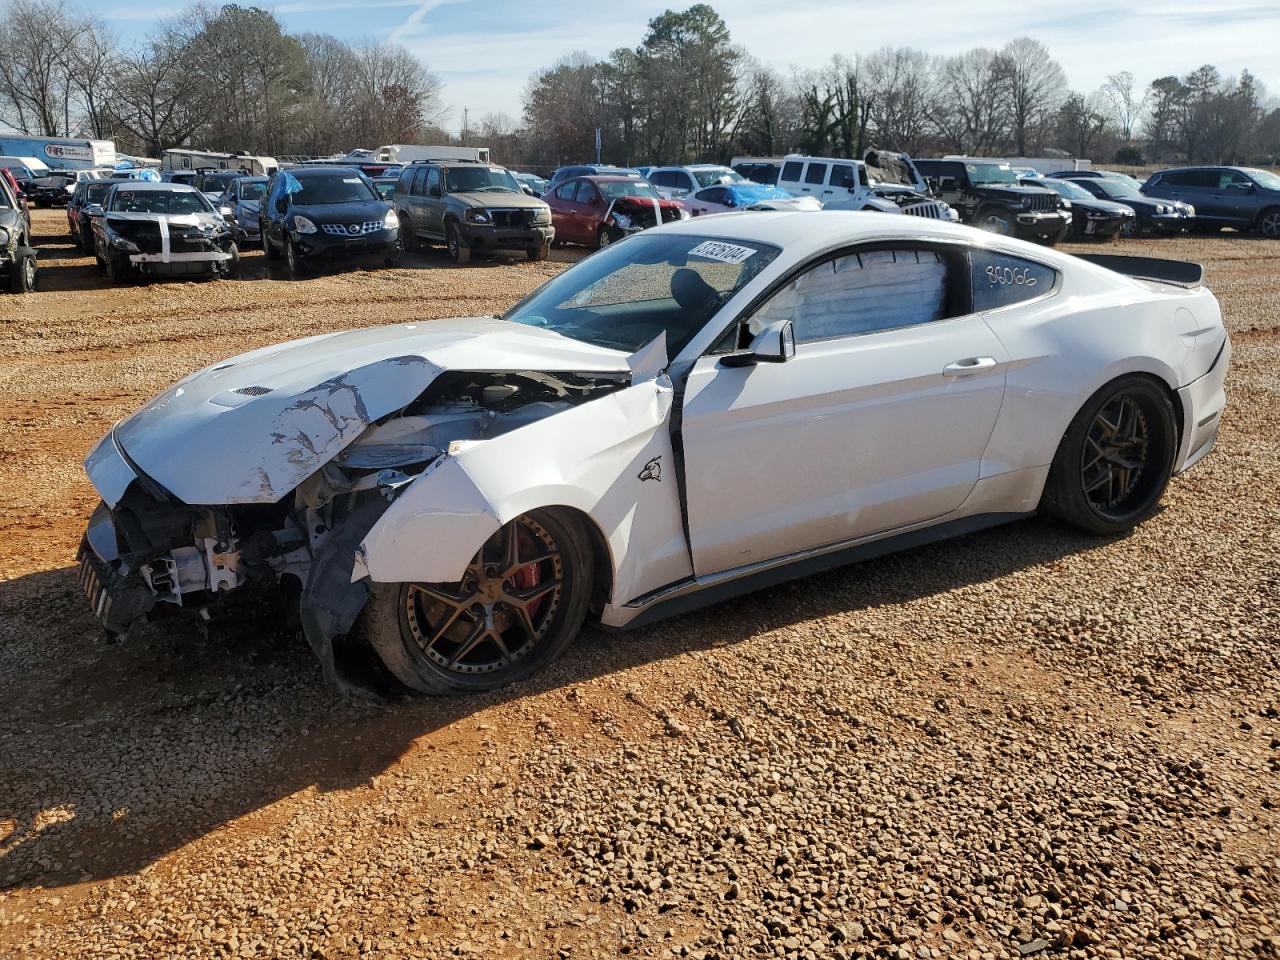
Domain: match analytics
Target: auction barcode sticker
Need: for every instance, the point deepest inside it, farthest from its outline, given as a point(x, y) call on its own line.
point(724, 252)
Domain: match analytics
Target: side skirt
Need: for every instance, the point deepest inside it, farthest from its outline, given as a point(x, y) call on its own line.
point(698, 592)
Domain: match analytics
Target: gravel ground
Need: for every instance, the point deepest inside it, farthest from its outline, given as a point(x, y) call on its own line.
point(1021, 743)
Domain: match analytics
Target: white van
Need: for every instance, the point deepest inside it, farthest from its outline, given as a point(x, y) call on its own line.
point(848, 185)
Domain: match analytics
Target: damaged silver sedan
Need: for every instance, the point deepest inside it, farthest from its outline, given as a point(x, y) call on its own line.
point(676, 419)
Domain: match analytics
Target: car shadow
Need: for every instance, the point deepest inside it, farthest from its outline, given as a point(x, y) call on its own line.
point(113, 756)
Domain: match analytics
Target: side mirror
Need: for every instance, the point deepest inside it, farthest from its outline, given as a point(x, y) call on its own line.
point(775, 344)
point(92, 210)
point(730, 202)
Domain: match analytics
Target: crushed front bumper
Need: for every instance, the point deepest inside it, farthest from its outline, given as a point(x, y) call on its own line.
point(487, 237)
point(322, 246)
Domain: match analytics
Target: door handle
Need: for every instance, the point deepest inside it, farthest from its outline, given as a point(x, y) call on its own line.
point(968, 366)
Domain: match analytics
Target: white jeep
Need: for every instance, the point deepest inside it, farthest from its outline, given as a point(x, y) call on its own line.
point(883, 181)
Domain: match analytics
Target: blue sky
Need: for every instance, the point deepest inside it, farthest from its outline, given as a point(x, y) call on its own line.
point(485, 50)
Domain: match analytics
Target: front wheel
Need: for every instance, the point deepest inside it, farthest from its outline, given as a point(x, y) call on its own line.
point(1115, 459)
point(1269, 223)
point(994, 221)
point(604, 238)
point(24, 273)
point(520, 602)
point(269, 249)
point(459, 252)
point(293, 260)
point(1132, 227)
point(231, 268)
point(539, 253)
point(117, 265)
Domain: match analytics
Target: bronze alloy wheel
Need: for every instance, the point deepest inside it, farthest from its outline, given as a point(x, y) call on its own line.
point(1114, 455)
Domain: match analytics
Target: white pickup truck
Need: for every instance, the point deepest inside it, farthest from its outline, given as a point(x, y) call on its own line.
point(883, 181)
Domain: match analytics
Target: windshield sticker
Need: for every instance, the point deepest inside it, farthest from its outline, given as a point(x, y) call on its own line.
point(724, 252)
point(350, 179)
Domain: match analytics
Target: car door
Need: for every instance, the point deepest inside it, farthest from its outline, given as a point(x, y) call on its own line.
point(841, 181)
point(707, 200)
point(815, 176)
point(560, 200)
point(428, 188)
point(1196, 187)
point(878, 422)
point(588, 212)
point(1236, 197)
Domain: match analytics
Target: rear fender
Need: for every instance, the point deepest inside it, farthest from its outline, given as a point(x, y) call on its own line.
point(610, 459)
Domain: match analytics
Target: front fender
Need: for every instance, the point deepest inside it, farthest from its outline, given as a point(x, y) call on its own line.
point(590, 458)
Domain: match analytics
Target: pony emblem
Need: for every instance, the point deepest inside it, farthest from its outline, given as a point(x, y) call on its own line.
point(652, 470)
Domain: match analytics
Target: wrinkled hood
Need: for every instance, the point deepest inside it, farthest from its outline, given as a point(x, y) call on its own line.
point(357, 211)
point(504, 199)
point(635, 203)
point(250, 429)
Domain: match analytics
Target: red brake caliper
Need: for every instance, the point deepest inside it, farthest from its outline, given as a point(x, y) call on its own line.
point(529, 576)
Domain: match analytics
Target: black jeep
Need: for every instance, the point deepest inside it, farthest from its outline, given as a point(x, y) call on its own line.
point(987, 195)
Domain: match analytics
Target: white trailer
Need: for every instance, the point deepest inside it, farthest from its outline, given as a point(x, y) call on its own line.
point(183, 159)
point(408, 152)
point(60, 153)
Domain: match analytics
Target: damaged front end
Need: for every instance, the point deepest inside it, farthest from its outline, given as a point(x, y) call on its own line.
point(627, 215)
point(288, 545)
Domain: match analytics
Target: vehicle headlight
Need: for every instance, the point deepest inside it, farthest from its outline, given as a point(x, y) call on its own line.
point(1189, 210)
point(542, 216)
point(480, 215)
point(390, 221)
point(4, 237)
point(622, 220)
point(120, 243)
point(1024, 202)
point(302, 225)
point(1064, 204)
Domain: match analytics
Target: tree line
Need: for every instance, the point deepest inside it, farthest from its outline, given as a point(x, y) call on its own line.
point(224, 78)
point(232, 78)
point(688, 93)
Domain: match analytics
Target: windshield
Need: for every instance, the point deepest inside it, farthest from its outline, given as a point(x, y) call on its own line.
point(612, 189)
point(330, 188)
point(1117, 189)
point(651, 284)
point(1268, 181)
point(160, 201)
point(1064, 187)
point(480, 180)
point(19, 170)
point(385, 188)
point(707, 178)
point(252, 189)
point(990, 173)
point(94, 192)
point(217, 182)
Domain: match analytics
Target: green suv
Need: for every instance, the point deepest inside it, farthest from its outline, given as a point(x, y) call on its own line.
point(470, 206)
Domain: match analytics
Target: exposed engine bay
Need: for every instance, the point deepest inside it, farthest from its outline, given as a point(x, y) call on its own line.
point(153, 553)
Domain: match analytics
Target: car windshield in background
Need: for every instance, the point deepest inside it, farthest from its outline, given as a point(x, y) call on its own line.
point(336, 188)
point(612, 189)
point(1117, 189)
point(708, 178)
point(96, 191)
point(1268, 181)
point(218, 182)
point(1064, 187)
point(481, 180)
point(175, 202)
point(626, 295)
point(253, 189)
point(990, 173)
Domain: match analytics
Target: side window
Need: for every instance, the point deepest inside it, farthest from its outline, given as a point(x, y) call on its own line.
point(791, 170)
point(842, 175)
point(565, 190)
point(405, 184)
point(1230, 180)
point(586, 192)
point(1000, 280)
point(433, 180)
point(714, 195)
point(816, 173)
point(862, 293)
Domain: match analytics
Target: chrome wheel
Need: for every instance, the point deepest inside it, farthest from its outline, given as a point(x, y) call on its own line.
point(605, 238)
point(1269, 224)
point(1114, 456)
point(1130, 227)
point(501, 610)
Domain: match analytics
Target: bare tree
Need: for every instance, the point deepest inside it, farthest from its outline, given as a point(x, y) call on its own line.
point(970, 115)
point(38, 37)
point(1034, 84)
point(1126, 103)
point(157, 97)
point(91, 67)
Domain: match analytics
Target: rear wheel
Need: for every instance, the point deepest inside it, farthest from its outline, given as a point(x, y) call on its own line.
point(520, 602)
point(1115, 460)
point(1269, 223)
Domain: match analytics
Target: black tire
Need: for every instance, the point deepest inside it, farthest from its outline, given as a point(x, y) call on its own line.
point(117, 266)
point(604, 238)
point(231, 268)
point(1131, 228)
point(1115, 460)
point(1269, 223)
point(539, 253)
point(24, 277)
point(294, 261)
point(408, 238)
point(269, 249)
point(398, 620)
point(459, 252)
point(395, 258)
point(994, 220)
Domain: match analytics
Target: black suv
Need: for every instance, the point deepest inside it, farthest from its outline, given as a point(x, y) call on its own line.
point(332, 214)
point(470, 206)
point(987, 195)
point(1240, 197)
point(17, 258)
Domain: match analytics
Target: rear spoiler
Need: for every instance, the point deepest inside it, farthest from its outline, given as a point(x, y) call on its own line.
point(1181, 273)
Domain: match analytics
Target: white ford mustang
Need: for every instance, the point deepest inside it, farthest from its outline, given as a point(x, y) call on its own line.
point(704, 408)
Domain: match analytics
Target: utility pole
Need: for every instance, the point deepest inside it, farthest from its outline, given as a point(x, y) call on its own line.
point(465, 111)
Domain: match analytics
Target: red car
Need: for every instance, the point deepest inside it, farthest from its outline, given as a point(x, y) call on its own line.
point(597, 211)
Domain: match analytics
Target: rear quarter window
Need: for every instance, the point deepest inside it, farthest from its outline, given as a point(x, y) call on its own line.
point(1000, 280)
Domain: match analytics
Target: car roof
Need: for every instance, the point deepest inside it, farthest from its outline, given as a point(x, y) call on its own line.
point(159, 186)
point(303, 173)
point(606, 178)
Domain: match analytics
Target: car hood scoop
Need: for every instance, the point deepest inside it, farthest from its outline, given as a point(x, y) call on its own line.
point(250, 429)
